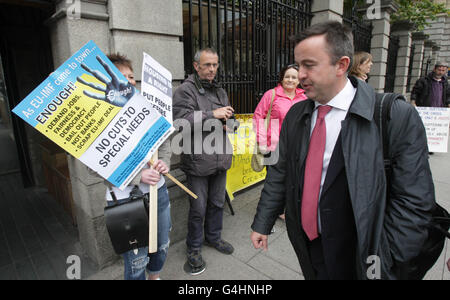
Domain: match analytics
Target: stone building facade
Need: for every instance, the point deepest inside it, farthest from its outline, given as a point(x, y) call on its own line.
point(439, 37)
point(157, 28)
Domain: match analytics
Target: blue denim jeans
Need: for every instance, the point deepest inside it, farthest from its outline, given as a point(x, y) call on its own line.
point(135, 265)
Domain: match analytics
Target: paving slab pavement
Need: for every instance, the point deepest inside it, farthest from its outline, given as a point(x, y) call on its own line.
point(246, 263)
point(280, 261)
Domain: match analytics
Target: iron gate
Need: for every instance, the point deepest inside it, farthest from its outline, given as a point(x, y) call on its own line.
point(362, 31)
point(251, 38)
point(411, 64)
point(394, 45)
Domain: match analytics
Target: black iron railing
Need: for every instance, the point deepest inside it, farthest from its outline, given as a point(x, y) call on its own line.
point(394, 45)
point(251, 37)
point(411, 63)
point(362, 31)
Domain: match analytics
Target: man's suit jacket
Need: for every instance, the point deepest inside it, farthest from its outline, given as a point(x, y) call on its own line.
point(338, 230)
point(394, 231)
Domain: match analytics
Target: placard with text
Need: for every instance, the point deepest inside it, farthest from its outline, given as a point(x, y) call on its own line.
point(89, 109)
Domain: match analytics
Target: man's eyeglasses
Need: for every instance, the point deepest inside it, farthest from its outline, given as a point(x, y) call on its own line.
point(215, 66)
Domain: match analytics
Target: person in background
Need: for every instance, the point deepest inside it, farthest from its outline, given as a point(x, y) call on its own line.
point(362, 63)
point(287, 93)
point(432, 90)
point(200, 99)
point(135, 265)
point(284, 95)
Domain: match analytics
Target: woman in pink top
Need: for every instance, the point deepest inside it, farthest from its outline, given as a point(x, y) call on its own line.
point(287, 94)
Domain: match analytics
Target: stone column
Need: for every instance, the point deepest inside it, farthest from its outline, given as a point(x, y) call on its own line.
point(434, 58)
point(380, 45)
point(137, 26)
point(130, 27)
point(327, 10)
point(439, 32)
point(427, 56)
point(419, 44)
point(72, 26)
point(403, 31)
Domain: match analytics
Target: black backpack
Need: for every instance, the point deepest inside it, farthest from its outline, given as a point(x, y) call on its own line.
point(440, 224)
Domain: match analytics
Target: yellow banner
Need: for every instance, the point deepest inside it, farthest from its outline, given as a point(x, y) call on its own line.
point(241, 174)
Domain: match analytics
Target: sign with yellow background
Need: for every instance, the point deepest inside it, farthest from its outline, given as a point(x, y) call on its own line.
point(241, 174)
point(89, 109)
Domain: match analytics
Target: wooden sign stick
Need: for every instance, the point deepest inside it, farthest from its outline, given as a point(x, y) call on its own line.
point(153, 215)
point(153, 209)
point(178, 183)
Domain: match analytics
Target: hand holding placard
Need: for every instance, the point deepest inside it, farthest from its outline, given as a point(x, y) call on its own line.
point(178, 183)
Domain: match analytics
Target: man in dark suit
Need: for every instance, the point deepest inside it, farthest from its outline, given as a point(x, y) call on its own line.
point(330, 173)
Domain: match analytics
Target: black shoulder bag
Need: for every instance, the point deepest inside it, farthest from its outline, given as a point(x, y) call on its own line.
point(440, 224)
point(127, 222)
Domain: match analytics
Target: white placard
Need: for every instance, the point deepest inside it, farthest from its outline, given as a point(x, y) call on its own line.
point(436, 121)
point(157, 86)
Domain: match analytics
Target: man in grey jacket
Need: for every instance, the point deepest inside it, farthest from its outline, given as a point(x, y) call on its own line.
point(330, 173)
point(203, 109)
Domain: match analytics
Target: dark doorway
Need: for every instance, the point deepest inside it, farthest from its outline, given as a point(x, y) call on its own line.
point(26, 59)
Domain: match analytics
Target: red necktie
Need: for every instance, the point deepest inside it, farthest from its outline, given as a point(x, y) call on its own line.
point(313, 174)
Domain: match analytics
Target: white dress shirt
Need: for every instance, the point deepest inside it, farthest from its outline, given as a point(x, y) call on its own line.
point(340, 105)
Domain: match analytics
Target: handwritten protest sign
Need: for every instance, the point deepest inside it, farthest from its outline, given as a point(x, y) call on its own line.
point(436, 121)
point(89, 109)
point(241, 174)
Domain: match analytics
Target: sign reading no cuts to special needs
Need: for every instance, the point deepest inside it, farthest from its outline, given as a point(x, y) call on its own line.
point(89, 109)
point(436, 121)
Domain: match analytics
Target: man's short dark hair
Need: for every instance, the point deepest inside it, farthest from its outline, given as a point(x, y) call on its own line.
point(440, 64)
point(120, 60)
point(199, 53)
point(338, 37)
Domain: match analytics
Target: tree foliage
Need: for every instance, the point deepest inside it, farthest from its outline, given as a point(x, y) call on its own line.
point(418, 12)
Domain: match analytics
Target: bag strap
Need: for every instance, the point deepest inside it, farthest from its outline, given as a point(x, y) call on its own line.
point(134, 194)
point(267, 120)
point(113, 196)
point(382, 116)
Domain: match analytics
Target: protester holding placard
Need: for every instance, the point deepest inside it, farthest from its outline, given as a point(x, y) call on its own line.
point(135, 264)
point(89, 109)
point(432, 90)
